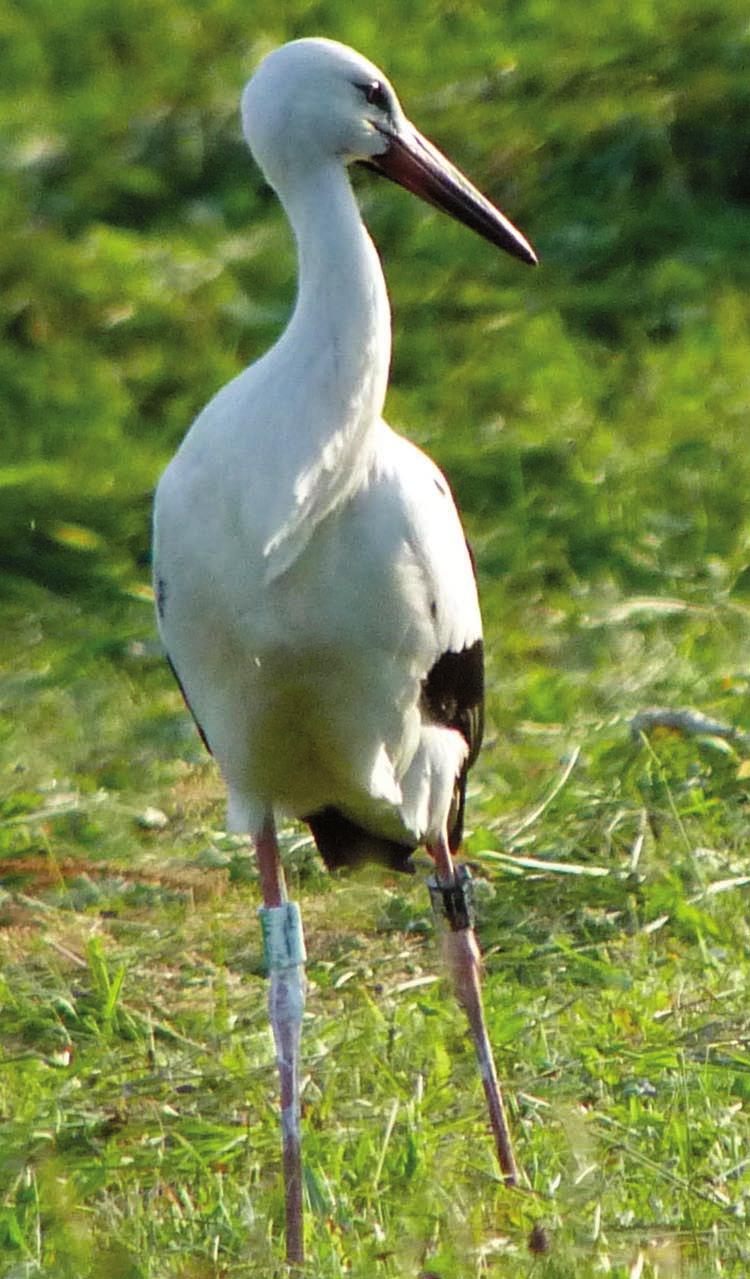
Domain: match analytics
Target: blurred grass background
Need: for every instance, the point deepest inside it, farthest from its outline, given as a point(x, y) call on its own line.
point(592, 417)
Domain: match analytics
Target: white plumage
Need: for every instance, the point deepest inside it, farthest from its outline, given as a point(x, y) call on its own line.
point(316, 595)
point(311, 564)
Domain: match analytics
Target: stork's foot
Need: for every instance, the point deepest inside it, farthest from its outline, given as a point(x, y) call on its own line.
point(453, 904)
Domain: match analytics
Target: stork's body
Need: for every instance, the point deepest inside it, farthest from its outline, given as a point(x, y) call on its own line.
point(316, 595)
point(309, 687)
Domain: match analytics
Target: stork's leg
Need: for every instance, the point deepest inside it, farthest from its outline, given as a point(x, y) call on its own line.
point(451, 895)
point(284, 950)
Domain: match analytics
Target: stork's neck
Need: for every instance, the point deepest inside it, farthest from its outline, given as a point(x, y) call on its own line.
point(340, 331)
point(330, 367)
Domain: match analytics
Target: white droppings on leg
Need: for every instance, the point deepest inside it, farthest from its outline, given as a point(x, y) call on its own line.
point(486, 1068)
point(283, 940)
point(284, 949)
point(290, 1124)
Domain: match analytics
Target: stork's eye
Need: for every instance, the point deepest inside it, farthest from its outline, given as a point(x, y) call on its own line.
point(377, 95)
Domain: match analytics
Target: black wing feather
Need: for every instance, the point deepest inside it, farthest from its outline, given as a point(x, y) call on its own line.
point(453, 695)
point(181, 687)
point(342, 842)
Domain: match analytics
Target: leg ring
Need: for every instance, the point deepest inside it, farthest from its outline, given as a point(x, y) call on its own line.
point(454, 902)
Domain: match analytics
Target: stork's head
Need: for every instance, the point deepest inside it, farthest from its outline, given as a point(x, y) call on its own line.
point(313, 101)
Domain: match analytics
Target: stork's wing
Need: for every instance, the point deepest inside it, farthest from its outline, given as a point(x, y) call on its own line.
point(181, 687)
point(342, 842)
point(453, 694)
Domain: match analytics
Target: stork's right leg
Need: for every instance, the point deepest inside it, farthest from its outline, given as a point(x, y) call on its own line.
point(450, 891)
point(284, 950)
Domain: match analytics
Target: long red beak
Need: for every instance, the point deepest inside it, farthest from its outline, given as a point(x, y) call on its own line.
point(416, 164)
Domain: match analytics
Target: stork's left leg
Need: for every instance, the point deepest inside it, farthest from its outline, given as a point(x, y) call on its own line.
point(284, 950)
point(451, 894)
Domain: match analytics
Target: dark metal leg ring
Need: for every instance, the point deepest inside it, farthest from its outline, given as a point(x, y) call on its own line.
point(454, 902)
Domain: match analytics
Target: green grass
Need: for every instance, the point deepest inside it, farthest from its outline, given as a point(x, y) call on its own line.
point(592, 419)
point(137, 1082)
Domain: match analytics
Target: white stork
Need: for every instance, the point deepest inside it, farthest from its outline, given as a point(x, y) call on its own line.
point(315, 593)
